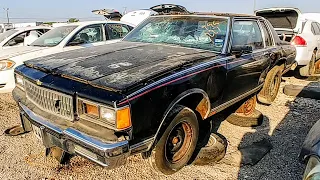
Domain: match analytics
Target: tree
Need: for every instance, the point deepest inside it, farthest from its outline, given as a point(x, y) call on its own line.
point(73, 20)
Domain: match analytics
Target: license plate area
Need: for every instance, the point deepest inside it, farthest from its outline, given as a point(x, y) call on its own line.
point(37, 132)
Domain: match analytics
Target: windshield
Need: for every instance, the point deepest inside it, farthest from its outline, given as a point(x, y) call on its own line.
point(53, 37)
point(6, 34)
point(206, 33)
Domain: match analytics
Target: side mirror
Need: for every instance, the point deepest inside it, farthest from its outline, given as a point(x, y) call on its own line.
point(76, 42)
point(239, 50)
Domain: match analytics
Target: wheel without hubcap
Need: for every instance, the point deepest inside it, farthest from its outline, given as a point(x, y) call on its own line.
point(178, 142)
point(271, 86)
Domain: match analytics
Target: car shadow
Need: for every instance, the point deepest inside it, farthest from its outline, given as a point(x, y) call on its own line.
point(286, 138)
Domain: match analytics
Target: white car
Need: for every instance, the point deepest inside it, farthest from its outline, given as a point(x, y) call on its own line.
point(301, 30)
point(63, 38)
point(21, 36)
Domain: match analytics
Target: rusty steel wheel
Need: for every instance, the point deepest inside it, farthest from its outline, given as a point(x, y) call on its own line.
point(271, 86)
point(177, 144)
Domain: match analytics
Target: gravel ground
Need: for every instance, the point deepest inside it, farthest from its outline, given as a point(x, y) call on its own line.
point(286, 123)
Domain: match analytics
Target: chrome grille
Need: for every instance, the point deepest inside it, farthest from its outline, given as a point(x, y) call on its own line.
point(50, 101)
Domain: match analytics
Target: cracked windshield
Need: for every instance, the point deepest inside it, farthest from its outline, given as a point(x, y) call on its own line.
point(195, 32)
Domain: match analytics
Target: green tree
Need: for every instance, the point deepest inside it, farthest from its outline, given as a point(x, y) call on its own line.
point(73, 20)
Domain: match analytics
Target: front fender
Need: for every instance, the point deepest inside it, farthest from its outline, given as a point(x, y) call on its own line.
point(179, 99)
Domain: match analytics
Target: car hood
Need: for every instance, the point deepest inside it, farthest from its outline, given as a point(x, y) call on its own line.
point(12, 52)
point(120, 65)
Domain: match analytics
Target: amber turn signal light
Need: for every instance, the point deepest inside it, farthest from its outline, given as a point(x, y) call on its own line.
point(91, 110)
point(123, 118)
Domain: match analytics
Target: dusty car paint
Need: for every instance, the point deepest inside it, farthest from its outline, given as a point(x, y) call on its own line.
point(152, 78)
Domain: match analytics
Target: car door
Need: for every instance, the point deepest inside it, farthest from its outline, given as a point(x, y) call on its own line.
point(91, 35)
point(16, 41)
point(318, 39)
point(244, 72)
point(116, 31)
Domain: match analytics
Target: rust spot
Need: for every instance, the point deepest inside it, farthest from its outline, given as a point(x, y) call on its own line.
point(248, 107)
point(202, 108)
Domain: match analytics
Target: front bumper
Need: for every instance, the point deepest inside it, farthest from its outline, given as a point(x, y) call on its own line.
point(73, 141)
point(7, 82)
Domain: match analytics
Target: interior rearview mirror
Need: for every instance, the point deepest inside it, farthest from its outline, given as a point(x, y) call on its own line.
point(239, 50)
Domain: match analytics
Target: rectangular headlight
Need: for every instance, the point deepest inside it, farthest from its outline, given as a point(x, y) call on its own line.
point(19, 81)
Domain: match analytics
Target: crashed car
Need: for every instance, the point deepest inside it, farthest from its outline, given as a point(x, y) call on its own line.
point(153, 92)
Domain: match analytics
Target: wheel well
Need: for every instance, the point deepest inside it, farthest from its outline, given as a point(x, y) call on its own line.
point(198, 103)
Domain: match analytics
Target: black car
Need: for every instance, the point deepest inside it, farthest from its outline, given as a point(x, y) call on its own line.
point(153, 92)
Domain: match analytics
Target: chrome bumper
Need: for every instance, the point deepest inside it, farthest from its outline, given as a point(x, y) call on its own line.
point(75, 142)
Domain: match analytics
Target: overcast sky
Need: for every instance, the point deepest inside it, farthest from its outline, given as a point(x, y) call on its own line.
point(62, 10)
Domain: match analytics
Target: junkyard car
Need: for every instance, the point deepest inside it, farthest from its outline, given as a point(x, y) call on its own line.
point(293, 26)
point(61, 39)
point(152, 92)
point(21, 36)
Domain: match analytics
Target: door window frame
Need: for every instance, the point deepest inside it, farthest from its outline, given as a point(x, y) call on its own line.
point(87, 26)
point(107, 29)
point(259, 25)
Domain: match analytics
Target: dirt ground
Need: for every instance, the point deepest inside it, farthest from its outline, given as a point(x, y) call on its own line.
point(286, 123)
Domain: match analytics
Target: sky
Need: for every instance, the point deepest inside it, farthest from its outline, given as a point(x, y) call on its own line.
point(62, 10)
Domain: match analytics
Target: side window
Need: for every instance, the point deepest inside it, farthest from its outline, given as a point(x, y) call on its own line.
point(268, 38)
point(117, 31)
point(316, 28)
point(247, 33)
point(89, 34)
point(18, 39)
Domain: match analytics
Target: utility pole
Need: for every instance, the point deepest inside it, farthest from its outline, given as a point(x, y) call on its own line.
point(7, 11)
point(125, 10)
point(254, 5)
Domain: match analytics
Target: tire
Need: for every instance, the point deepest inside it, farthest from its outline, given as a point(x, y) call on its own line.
point(271, 86)
point(310, 69)
point(213, 151)
point(253, 120)
point(301, 91)
point(177, 144)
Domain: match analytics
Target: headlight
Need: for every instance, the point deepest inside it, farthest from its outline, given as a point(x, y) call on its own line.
point(19, 81)
point(108, 114)
point(6, 64)
point(103, 115)
point(312, 171)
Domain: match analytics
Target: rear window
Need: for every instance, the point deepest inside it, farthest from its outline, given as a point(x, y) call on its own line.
point(281, 19)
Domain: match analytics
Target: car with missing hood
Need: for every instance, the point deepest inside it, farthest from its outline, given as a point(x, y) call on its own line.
point(60, 39)
point(154, 91)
